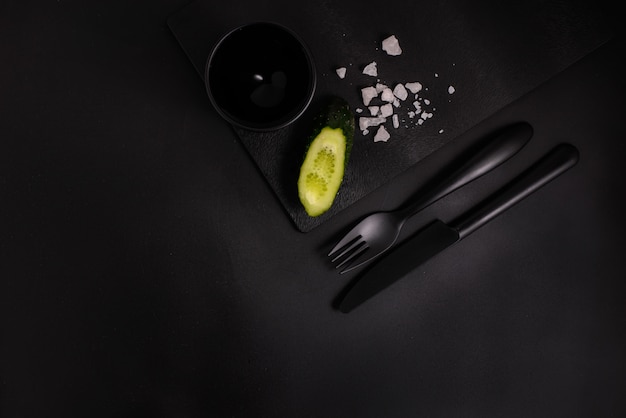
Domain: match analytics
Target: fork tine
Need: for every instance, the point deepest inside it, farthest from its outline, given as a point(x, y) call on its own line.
point(354, 255)
point(343, 245)
point(347, 240)
point(346, 250)
point(356, 260)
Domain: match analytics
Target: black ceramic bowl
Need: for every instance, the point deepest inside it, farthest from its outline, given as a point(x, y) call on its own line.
point(260, 76)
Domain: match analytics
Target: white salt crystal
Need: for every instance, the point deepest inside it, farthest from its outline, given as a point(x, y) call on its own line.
point(414, 87)
point(359, 110)
point(426, 101)
point(396, 122)
point(418, 106)
point(386, 110)
point(365, 122)
point(396, 103)
point(426, 115)
point(381, 135)
point(451, 90)
point(374, 110)
point(370, 69)
point(391, 46)
point(368, 93)
point(341, 72)
point(411, 114)
point(380, 87)
point(387, 95)
point(400, 92)
point(440, 131)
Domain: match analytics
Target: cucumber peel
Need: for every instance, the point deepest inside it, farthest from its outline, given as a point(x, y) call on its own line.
point(326, 157)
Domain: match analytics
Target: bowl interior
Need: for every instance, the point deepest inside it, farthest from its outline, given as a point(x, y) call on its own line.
point(260, 76)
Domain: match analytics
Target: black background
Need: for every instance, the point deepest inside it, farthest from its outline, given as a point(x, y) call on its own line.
point(147, 268)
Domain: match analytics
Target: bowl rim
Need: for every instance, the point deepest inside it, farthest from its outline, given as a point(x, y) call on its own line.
point(281, 122)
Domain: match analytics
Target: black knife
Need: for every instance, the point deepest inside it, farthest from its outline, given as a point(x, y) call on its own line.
point(437, 236)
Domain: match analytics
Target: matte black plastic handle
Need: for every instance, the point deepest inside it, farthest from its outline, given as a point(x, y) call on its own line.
point(497, 149)
point(553, 164)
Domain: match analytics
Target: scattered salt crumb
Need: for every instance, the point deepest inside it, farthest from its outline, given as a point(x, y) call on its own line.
point(381, 135)
point(414, 87)
point(400, 92)
point(387, 95)
point(370, 69)
point(391, 46)
point(341, 72)
point(386, 110)
point(381, 102)
point(359, 110)
point(368, 93)
point(365, 122)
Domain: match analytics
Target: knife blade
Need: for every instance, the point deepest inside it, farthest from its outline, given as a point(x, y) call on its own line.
point(438, 235)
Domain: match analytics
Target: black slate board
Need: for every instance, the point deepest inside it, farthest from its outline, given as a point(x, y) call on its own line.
point(444, 44)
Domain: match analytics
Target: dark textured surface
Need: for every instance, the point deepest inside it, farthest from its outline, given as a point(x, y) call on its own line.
point(148, 270)
point(491, 55)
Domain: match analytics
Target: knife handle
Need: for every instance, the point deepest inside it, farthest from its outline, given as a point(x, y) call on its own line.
point(557, 161)
point(498, 148)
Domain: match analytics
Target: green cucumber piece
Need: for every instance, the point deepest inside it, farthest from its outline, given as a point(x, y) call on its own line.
point(326, 157)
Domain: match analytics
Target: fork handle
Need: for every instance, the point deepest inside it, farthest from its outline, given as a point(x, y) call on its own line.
point(498, 148)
